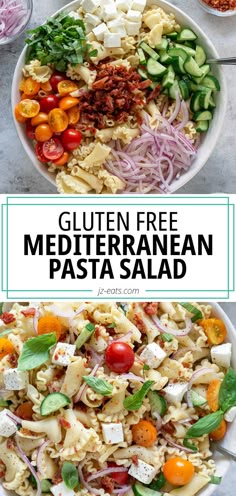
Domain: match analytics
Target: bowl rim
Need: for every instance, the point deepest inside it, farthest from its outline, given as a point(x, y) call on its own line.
point(222, 105)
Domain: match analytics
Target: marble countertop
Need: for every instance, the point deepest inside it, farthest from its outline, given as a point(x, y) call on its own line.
point(219, 174)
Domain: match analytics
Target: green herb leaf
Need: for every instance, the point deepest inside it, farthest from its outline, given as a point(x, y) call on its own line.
point(90, 327)
point(158, 483)
point(111, 326)
point(99, 385)
point(45, 486)
point(134, 402)
point(197, 314)
point(70, 475)
point(123, 308)
point(227, 394)
point(146, 367)
point(190, 445)
point(205, 425)
point(214, 479)
point(5, 332)
point(35, 351)
point(33, 481)
point(167, 337)
point(4, 403)
point(1, 306)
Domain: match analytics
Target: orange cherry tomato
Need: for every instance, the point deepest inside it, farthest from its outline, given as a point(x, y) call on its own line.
point(31, 87)
point(178, 471)
point(144, 433)
point(58, 120)
point(219, 433)
point(28, 97)
point(213, 394)
point(215, 330)
point(73, 115)
point(62, 160)
point(48, 324)
point(25, 410)
point(28, 108)
point(47, 87)
point(41, 118)
point(68, 102)
point(6, 347)
point(43, 132)
point(18, 116)
point(66, 86)
point(21, 85)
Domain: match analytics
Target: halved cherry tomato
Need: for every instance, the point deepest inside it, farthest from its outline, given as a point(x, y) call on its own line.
point(178, 471)
point(119, 357)
point(47, 87)
point(31, 87)
point(213, 394)
point(53, 149)
point(28, 97)
point(48, 103)
point(66, 86)
point(62, 160)
point(25, 410)
point(68, 102)
point(71, 139)
point(30, 131)
point(6, 347)
point(43, 132)
point(58, 120)
point(215, 330)
point(73, 115)
point(120, 477)
point(219, 433)
point(41, 118)
point(56, 78)
point(48, 324)
point(18, 116)
point(21, 85)
point(28, 108)
point(39, 153)
point(144, 433)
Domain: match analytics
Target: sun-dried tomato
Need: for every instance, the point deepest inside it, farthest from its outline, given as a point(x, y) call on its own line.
point(29, 312)
point(108, 484)
point(222, 5)
point(7, 317)
point(150, 308)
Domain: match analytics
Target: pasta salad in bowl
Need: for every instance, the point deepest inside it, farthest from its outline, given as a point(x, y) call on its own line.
point(118, 97)
point(115, 399)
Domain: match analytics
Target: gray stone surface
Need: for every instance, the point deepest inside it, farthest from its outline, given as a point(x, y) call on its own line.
point(219, 174)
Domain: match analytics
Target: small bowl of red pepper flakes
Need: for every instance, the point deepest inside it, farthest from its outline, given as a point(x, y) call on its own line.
point(220, 8)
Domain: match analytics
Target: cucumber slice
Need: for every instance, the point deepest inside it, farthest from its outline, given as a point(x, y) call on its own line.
point(156, 69)
point(195, 101)
point(205, 70)
point(140, 490)
point(154, 55)
point(190, 51)
point(165, 91)
point(45, 486)
point(173, 36)
point(178, 65)
point(142, 58)
point(157, 403)
point(186, 35)
point(205, 99)
point(53, 402)
point(169, 78)
point(211, 82)
point(190, 44)
point(212, 104)
point(204, 115)
point(178, 52)
point(174, 89)
point(158, 483)
point(200, 55)
point(184, 89)
point(163, 45)
point(142, 73)
point(197, 87)
point(197, 399)
point(85, 335)
point(202, 126)
point(191, 67)
point(165, 58)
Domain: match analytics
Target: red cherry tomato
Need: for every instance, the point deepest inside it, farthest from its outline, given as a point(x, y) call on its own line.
point(48, 103)
point(119, 477)
point(71, 139)
point(30, 131)
point(39, 153)
point(119, 357)
point(53, 149)
point(56, 78)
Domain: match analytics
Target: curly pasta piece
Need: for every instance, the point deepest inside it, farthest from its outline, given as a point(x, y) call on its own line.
point(111, 183)
point(92, 180)
point(43, 377)
point(67, 184)
point(78, 439)
point(198, 482)
point(16, 470)
point(115, 405)
point(173, 369)
point(143, 322)
point(36, 397)
point(73, 377)
point(38, 72)
point(81, 72)
point(154, 456)
point(50, 426)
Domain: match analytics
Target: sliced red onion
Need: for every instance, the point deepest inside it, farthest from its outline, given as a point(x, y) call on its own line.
point(178, 333)
point(175, 445)
point(122, 490)
point(80, 310)
point(195, 376)
point(185, 113)
point(40, 453)
point(184, 421)
point(158, 420)
point(107, 471)
point(124, 338)
point(12, 16)
point(96, 359)
point(85, 386)
point(35, 321)
point(13, 417)
point(132, 377)
point(176, 110)
point(90, 489)
point(30, 466)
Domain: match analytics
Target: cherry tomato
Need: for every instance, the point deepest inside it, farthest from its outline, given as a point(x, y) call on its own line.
point(144, 433)
point(39, 153)
point(28, 97)
point(219, 433)
point(68, 102)
point(71, 139)
point(73, 115)
point(31, 87)
point(41, 118)
point(58, 120)
point(18, 116)
point(53, 149)
point(22, 85)
point(6, 347)
point(66, 86)
point(49, 323)
point(62, 160)
point(215, 330)
point(43, 132)
point(48, 103)
point(178, 471)
point(56, 78)
point(119, 477)
point(119, 357)
point(30, 131)
point(213, 394)
point(28, 108)
point(46, 87)
point(25, 410)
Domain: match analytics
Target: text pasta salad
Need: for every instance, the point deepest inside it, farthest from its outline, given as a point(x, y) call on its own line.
point(105, 398)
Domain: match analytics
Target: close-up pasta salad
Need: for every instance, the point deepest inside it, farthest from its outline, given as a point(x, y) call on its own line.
point(108, 398)
point(115, 97)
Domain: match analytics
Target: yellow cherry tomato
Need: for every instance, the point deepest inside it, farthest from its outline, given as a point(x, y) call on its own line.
point(73, 115)
point(48, 324)
point(28, 108)
point(213, 394)
point(219, 433)
point(62, 160)
point(58, 120)
point(22, 85)
point(6, 347)
point(31, 87)
point(43, 132)
point(144, 433)
point(178, 471)
point(18, 116)
point(66, 86)
point(67, 102)
point(215, 330)
point(41, 118)
point(47, 87)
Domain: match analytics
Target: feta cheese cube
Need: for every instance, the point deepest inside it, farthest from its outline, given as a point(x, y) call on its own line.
point(221, 354)
point(134, 16)
point(75, 15)
point(100, 30)
point(15, 379)
point(63, 354)
point(109, 12)
point(132, 28)
point(138, 5)
point(90, 5)
point(92, 19)
point(153, 355)
point(7, 426)
point(230, 415)
point(113, 433)
point(122, 5)
point(142, 471)
point(112, 40)
point(61, 490)
point(117, 26)
point(174, 392)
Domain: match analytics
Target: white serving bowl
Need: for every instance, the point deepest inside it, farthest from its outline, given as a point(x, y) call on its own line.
point(208, 141)
point(223, 462)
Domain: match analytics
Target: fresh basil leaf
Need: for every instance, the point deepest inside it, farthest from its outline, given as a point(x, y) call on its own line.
point(35, 351)
point(99, 385)
point(197, 314)
point(167, 337)
point(123, 308)
point(189, 445)
point(5, 332)
point(45, 486)
point(146, 367)
point(70, 475)
point(205, 425)
point(135, 401)
point(227, 394)
point(214, 479)
point(33, 481)
point(90, 327)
